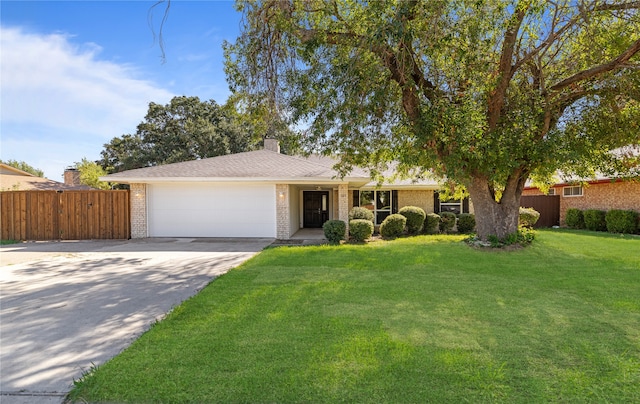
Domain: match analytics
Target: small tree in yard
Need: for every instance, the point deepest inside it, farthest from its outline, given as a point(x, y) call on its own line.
point(485, 93)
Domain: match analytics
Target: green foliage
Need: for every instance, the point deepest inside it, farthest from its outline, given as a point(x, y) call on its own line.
point(334, 230)
point(358, 212)
point(622, 221)
point(90, 172)
point(393, 226)
point(415, 218)
point(360, 229)
point(21, 165)
point(484, 93)
point(595, 220)
point(524, 236)
point(431, 223)
point(528, 217)
point(447, 222)
point(466, 223)
point(185, 129)
point(574, 218)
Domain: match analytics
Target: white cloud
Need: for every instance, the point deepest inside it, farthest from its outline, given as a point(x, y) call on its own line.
point(67, 92)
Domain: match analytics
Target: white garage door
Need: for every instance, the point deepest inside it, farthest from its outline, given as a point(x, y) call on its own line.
point(211, 210)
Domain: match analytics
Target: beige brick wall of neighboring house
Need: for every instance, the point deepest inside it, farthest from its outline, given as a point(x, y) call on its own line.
point(138, 195)
point(603, 196)
point(421, 199)
point(532, 192)
point(283, 224)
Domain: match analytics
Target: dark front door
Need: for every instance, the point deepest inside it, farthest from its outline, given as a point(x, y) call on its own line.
point(316, 208)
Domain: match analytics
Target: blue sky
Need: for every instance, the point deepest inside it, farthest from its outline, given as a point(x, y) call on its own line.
point(75, 74)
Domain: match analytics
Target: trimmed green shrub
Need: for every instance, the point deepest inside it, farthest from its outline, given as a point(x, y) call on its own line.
point(360, 229)
point(431, 224)
point(358, 212)
point(622, 221)
point(334, 230)
point(447, 221)
point(466, 223)
point(528, 217)
point(415, 218)
point(393, 226)
point(523, 237)
point(575, 218)
point(595, 219)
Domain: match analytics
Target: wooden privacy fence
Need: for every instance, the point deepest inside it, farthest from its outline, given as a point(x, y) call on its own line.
point(65, 215)
point(547, 205)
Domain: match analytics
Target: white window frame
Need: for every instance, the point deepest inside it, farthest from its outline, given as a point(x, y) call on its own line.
point(552, 191)
point(570, 193)
point(456, 202)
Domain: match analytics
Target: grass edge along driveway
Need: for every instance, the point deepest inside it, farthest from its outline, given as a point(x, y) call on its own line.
point(424, 319)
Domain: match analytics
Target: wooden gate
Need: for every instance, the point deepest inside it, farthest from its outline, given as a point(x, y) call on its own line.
point(547, 205)
point(65, 215)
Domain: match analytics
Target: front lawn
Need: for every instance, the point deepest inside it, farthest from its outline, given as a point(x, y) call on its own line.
point(423, 319)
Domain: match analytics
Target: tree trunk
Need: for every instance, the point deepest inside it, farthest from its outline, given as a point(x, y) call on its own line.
point(495, 218)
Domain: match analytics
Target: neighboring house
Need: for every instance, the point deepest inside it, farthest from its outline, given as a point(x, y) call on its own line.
point(13, 179)
point(600, 193)
point(260, 194)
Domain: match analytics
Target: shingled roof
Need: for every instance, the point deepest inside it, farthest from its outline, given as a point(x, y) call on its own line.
point(247, 166)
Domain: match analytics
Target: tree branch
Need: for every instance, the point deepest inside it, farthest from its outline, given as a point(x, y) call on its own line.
point(600, 69)
point(505, 68)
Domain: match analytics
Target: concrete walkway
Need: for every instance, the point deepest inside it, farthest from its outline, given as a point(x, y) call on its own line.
point(67, 305)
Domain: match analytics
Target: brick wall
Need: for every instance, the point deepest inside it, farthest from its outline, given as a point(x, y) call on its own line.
point(603, 196)
point(283, 223)
point(138, 195)
point(343, 204)
point(421, 199)
point(532, 192)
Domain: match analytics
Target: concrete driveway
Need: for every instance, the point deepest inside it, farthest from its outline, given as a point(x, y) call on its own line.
point(67, 305)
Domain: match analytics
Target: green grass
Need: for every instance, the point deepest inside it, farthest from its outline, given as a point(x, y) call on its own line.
point(5, 242)
point(424, 319)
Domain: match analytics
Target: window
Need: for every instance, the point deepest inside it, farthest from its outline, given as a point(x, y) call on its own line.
point(451, 205)
point(552, 191)
point(379, 202)
point(572, 191)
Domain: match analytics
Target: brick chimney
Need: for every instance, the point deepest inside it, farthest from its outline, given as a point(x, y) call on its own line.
point(72, 176)
point(272, 145)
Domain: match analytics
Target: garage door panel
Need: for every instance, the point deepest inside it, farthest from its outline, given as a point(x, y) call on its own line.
point(211, 210)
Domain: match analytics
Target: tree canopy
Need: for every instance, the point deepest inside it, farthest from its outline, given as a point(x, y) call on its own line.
point(21, 165)
point(185, 129)
point(90, 173)
point(484, 93)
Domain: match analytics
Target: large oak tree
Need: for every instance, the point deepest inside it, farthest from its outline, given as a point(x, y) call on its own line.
point(484, 93)
point(184, 129)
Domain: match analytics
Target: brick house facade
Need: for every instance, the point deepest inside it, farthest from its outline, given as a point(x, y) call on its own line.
point(602, 195)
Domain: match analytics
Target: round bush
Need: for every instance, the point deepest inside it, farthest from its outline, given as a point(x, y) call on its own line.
point(622, 221)
point(575, 218)
point(466, 223)
point(447, 221)
point(415, 218)
point(393, 226)
point(334, 230)
point(358, 212)
point(360, 229)
point(595, 220)
point(431, 224)
point(528, 217)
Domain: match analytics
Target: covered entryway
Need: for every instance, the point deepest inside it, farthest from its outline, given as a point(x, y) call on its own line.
point(211, 210)
point(315, 208)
